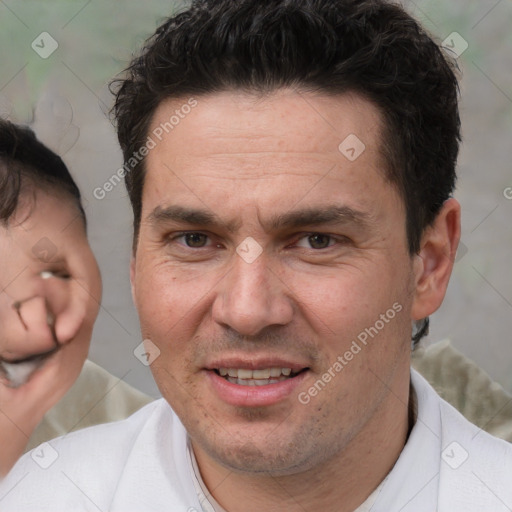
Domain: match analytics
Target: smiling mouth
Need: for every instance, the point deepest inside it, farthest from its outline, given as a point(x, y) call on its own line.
point(263, 377)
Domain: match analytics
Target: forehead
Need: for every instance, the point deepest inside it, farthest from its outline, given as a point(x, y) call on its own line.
point(46, 209)
point(283, 120)
point(265, 151)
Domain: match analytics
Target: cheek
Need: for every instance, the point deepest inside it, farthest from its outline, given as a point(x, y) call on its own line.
point(341, 305)
point(347, 291)
point(169, 300)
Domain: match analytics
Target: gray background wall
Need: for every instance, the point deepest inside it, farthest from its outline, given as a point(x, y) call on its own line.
point(64, 96)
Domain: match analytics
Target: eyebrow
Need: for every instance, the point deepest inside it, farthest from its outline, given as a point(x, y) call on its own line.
point(325, 215)
point(333, 214)
point(191, 216)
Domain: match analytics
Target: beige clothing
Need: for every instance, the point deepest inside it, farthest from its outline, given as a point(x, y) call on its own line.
point(466, 387)
point(96, 397)
point(99, 397)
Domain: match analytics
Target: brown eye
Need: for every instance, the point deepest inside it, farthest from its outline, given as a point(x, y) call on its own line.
point(319, 241)
point(195, 240)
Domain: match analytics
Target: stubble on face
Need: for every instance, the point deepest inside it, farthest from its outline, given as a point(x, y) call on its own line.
point(246, 160)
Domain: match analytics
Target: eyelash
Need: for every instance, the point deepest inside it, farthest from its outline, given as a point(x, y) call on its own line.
point(185, 233)
point(336, 239)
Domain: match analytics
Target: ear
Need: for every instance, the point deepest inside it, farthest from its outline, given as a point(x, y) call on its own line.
point(434, 263)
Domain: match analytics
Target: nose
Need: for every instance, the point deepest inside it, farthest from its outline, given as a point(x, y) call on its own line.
point(251, 298)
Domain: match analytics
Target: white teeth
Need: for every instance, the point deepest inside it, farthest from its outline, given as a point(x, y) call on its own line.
point(255, 382)
point(262, 377)
point(243, 374)
point(258, 374)
point(275, 372)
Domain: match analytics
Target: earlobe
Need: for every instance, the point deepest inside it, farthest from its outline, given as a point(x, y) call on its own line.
point(434, 263)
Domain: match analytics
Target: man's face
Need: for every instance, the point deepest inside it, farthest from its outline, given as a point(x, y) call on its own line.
point(262, 247)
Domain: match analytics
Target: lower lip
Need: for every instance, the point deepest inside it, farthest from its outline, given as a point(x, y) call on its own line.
point(254, 396)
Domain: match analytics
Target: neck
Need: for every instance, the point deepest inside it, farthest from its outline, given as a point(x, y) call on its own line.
point(340, 484)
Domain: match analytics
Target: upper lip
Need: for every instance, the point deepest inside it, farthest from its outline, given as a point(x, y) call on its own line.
point(255, 363)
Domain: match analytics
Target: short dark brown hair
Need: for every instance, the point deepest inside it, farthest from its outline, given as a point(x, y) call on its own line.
point(370, 47)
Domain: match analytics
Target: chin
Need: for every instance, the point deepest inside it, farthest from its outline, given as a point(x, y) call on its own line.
point(265, 453)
